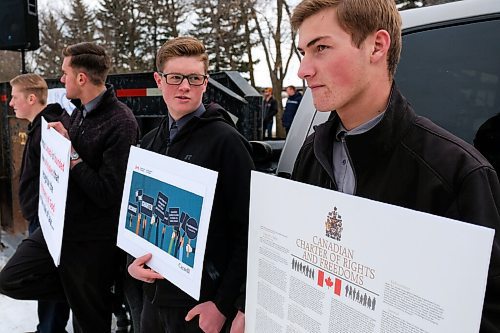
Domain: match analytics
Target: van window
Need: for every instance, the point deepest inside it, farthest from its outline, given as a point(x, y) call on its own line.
point(451, 75)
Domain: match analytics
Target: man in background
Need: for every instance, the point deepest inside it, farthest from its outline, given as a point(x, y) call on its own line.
point(269, 110)
point(291, 107)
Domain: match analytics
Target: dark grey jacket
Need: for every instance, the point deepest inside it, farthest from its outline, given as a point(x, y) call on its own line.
point(95, 186)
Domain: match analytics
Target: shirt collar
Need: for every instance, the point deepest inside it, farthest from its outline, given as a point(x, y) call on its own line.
point(184, 120)
point(365, 127)
point(93, 103)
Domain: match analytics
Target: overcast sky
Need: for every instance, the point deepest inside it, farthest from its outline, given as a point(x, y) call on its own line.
point(261, 73)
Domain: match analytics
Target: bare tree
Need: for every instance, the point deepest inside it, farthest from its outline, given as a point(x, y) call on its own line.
point(250, 38)
point(278, 42)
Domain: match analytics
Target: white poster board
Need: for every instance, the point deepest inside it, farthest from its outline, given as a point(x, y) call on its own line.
point(324, 261)
point(165, 211)
point(54, 176)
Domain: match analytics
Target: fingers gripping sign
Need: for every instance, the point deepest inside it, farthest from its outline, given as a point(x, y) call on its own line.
point(59, 127)
point(238, 325)
point(138, 270)
point(211, 319)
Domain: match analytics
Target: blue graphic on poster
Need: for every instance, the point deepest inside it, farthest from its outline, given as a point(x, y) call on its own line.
point(164, 215)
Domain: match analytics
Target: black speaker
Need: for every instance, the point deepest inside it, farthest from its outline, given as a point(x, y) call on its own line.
point(19, 25)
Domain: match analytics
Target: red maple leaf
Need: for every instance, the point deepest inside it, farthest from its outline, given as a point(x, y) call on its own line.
point(329, 282)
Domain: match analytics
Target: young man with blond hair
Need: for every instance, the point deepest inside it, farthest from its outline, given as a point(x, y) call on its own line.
point(374, 145)
point(29, 101)
point(203, 136)
point(101, 132)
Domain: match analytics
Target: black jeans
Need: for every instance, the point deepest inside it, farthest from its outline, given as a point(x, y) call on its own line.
point(83, 278)
point(156, 319)
point(52, 315)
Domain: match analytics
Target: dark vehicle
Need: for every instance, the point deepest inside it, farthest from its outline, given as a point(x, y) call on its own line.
point(140, 93)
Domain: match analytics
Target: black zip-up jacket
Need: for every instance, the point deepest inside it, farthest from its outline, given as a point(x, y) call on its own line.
point(408, 161)
point(212, 142)
point(29, 178)
point(95, 187)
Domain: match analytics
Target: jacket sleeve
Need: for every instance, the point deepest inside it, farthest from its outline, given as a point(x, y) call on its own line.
point(479, 203)
point(104, 185)
point(234, 183)
point(273, 110)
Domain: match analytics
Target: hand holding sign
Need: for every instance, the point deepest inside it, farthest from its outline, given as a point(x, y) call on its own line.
point(139, 270)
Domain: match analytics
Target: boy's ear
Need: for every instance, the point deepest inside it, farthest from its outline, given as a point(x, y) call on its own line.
point(381, 45)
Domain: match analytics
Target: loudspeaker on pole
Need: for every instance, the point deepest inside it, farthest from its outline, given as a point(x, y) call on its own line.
point(19, 25)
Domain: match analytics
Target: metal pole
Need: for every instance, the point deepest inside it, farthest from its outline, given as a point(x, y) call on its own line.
point(23, 60)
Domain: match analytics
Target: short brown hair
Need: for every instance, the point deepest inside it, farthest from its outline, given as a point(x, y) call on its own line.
point(32, 84)
point(181, 47)
point(90, 58)
point(359, 18)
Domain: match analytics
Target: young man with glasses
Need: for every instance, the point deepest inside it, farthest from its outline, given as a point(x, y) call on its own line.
point(203, 136)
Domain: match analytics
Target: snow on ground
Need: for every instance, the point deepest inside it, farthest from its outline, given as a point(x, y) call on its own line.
point(17, 316)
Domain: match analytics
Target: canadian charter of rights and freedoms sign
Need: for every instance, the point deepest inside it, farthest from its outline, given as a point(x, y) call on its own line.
point(324, 261)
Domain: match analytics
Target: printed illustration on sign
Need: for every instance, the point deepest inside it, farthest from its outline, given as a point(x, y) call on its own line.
point(165, 216)
point(333, 225)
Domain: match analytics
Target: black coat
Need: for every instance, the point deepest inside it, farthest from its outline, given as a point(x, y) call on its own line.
point(29, 178)
point(408, 161)
point(95, 185)
point(212, 142)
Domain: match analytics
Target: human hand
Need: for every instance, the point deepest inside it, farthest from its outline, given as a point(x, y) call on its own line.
point(238, 325)
point(59, 127)
point(211, 319)
point(137, 270)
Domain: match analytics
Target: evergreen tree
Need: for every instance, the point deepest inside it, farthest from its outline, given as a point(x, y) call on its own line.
point(118, 28)
point(221, 27)
point(160, 20)
point(79, 23)
point(49, 58)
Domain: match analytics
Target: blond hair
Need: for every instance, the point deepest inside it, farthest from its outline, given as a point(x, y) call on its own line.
point(359, 18)
point(32, 84)
point(181, 47)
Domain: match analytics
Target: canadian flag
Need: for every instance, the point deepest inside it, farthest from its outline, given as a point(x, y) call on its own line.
point(338, 287)
point(337, 283)
point(321, 278)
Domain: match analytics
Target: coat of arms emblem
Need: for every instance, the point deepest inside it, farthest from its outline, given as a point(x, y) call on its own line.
point(333, 225)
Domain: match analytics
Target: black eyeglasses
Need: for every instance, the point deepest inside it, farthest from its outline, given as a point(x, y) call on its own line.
point(176, 78)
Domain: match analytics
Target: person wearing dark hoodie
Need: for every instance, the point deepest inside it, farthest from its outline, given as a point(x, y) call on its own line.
point(29, 101)
point(203, 136)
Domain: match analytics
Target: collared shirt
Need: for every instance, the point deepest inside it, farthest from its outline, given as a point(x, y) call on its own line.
point(87, 108)
point(184, 120)
point(342, 168)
